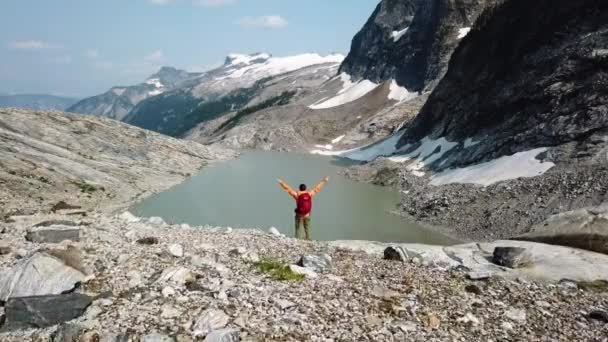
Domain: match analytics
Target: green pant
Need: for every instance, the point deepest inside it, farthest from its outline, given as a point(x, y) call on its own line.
point(305, 221)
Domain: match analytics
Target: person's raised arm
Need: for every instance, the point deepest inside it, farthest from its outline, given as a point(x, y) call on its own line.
point(288, 189)
point(319, 186)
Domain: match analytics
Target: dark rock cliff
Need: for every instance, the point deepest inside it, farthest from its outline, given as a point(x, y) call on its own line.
point(417, 57)
point(529, 74)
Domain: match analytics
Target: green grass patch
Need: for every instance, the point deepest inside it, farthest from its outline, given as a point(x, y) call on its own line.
point(85, 187)
point(277, 270)
point(280, 100)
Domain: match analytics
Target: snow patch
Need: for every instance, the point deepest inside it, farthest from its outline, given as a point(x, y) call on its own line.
point(522, 164)
point(280, 65)
point(469, 143)
point(463, 32)
point(119, 91)
point(350, 92)
point(155, 82)
point(370, 152)
point(398, 34)
point(338, 139)
point(236, 58)
point(155, 92)
point(428, 152)
point(326, 147)
point(400, 94)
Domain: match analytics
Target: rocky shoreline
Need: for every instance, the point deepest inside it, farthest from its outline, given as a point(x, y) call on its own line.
point(505, 210)
point(148, 281)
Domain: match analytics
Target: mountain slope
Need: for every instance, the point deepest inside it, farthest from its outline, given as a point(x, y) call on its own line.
point(36, 102)
point(242, 81)
point(532, 80)
point(47, 157)
point(400, 54)
point(517, 129)
point(411, 41)
point(118, 101)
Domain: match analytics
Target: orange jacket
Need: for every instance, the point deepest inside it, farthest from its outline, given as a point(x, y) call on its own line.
point(295, 194)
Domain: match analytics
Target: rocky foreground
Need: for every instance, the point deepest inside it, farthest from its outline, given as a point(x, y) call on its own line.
point(122, 278)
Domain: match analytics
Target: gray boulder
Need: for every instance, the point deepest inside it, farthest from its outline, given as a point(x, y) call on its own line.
point(53, 234)
point(512, 257)
point(224, 335)
point(40, 274)
point(44, 311)
point(156, 337)
point(397, 253)
point(584, 229)
point(208, 321)
point(318, 262)
point(68, 332)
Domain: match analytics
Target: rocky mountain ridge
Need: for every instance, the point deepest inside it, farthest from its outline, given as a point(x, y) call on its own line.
point(36, 101)
point(119, 101)
point(411, 41)
point(516, 130)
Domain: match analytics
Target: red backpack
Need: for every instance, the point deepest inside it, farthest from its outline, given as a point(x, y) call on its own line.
point(304, 204)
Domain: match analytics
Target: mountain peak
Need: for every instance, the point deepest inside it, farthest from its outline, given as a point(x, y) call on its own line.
point(236, 58)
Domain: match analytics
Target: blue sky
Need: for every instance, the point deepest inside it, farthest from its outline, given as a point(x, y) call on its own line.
point(83, 47)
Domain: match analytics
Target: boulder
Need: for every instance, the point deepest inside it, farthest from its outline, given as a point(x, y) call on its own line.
point(479, 275)
point(517, 315)
point(156, 337)
point(398, 253)
point(177, 275)
point(176, 250)
point(5, 249)
point(53, 234)
point(307, 272)
point(208, 321)
point(318, 263)
point(284, 304)
point(223, 335)
point(512, 257)
point(44, 311)
point(148, 241)
point(128, 217)
point(157, 221)
point(274, 231)
point(583, 228)
point(599, 315)
point(68, 332)
point(40, 274)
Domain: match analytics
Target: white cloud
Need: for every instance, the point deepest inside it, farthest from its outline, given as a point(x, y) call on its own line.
point(213, 3)
point(67, 59)
point(29, 45)
point(267, 21)
point(92, 54)
point(161, 2)
point(155, 56)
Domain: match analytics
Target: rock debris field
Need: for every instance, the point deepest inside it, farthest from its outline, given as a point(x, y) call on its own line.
point(122, 278)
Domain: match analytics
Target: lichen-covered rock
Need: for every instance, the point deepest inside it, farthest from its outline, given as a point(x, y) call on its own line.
point(44, 311)
point(38, 275)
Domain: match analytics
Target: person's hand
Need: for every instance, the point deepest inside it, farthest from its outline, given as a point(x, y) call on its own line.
point(326, 179)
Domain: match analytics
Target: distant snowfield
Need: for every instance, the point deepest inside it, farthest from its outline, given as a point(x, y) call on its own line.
point(522, 164)
point(278, 65)
point(398, 34)
point(350, 92)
